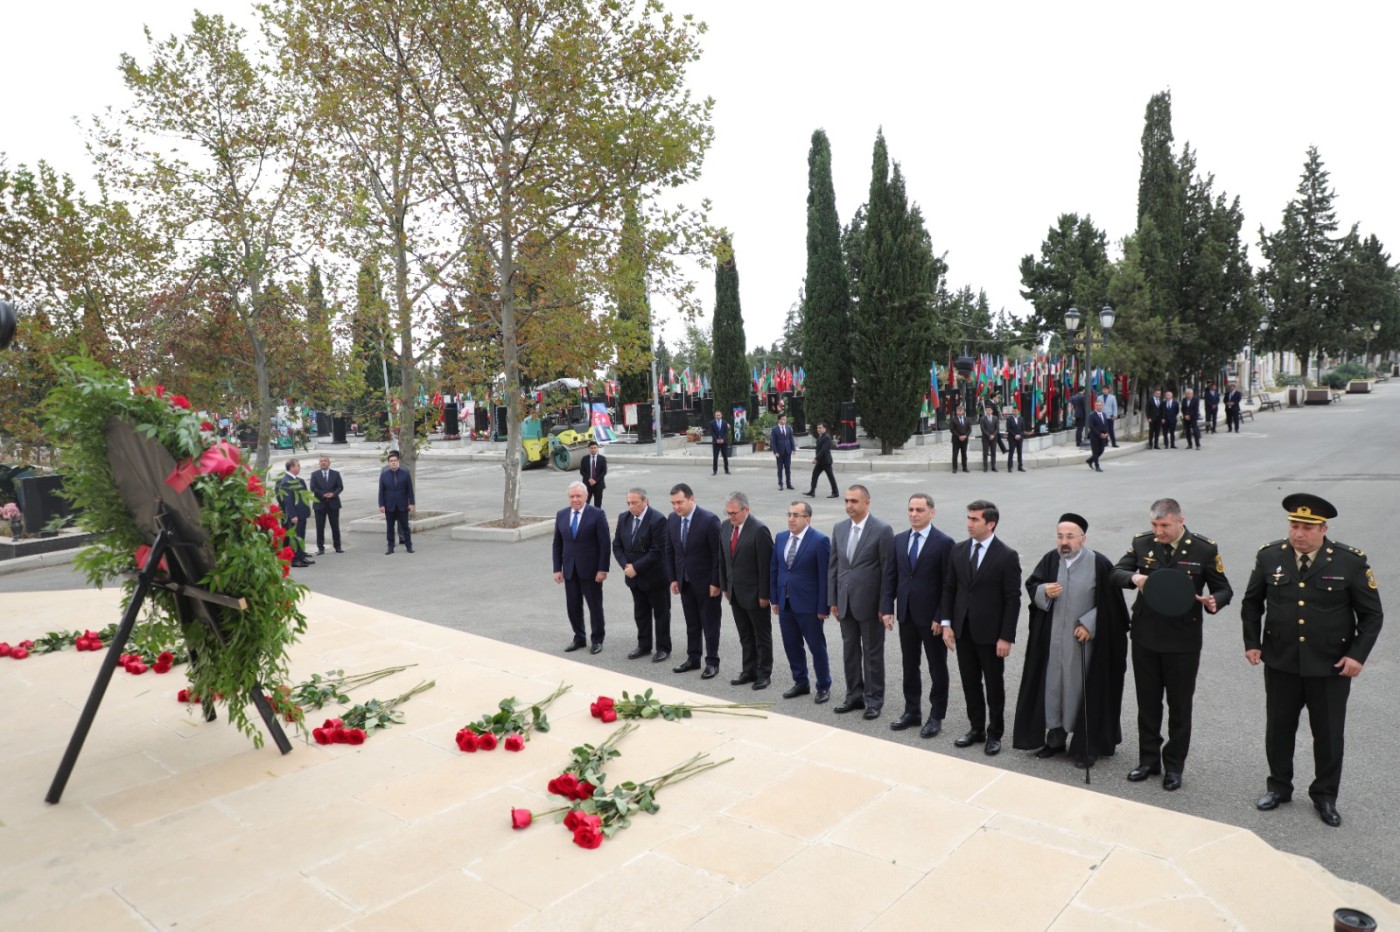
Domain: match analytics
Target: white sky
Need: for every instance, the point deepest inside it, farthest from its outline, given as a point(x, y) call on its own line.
point(1002, 115)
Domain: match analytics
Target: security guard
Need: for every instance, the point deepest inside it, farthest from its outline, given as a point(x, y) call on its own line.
point(1324, 594)
point(1167, 649)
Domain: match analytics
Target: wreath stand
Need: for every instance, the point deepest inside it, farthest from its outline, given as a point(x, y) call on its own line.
point(139, 467)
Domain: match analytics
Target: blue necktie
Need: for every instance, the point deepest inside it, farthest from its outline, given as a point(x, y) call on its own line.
point(685, 529)
point(573, 526)
point(914, 548)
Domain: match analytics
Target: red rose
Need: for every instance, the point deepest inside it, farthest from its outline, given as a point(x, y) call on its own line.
point(588, 836)
point(340, 735)
point(332, 723)
point(5, 649)
point(205, 425)
point(19, 653)
point(571, 820)
point(165, 657)
point(515, 743)
point(160, 391)
point(584, 791)
point(273, 509)
point(136, 668)
point(521, 818)
point(320, 735)
point(609, 716)
point(182, 696)
point(466, 740)
point(255, 485)
point(179, 401)
point(82, 643)
point(595, 710)
point(486, 742)
point(27, 645)
point(605, 703)
point(161, 667)
point(287, 554)
point(566, 784)
point(355, 736)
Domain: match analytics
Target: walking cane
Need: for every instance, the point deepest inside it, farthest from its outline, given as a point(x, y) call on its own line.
point(1084, 705)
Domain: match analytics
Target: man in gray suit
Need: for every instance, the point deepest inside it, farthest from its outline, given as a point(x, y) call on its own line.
point(860, 588)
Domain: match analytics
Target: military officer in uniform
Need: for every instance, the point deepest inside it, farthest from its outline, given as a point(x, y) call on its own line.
point(1322, 592)
point(1167, 649)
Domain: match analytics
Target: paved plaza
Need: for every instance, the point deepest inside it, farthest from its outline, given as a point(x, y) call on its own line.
point(842, 823)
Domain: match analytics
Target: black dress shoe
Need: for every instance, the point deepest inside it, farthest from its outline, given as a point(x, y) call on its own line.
point(741, 679)
point(834, 495)
point(793, 488)
point(686, 666)
point(1327, 812)
point(389, 552)
point(709, 672)
point(931, 728)
point(810, 494)
point(871, 713)
point(907, 720)
point(660, 656)
point(1085, 762)
point(1143, 771)
point(596, 648)
point(762, 684)
point(409, 549)
point(1048, 751)
point(969, 739)
point(993, 747)
point(1171, 781)
point(823, 695)
point(850, 705)
point(639, 652)
point(1271, 801)
point(338, 550)
point(796, 691)
point(300, 563)
point(1020, 469)
point(320, 552)
point(573, 646)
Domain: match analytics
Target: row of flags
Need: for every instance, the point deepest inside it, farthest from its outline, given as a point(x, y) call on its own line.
point(1039, 380)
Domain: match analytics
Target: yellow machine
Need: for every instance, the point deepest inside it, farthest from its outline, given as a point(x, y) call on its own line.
point(557, 448)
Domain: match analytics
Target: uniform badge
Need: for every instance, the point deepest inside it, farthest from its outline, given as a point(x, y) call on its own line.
point(1371, 579)
point(1219, 565)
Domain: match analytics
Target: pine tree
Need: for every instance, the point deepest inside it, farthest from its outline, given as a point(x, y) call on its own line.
point(1072, 271)
point(826, 309)
point(891, 344)
point(730, 378)
point(1160, 209)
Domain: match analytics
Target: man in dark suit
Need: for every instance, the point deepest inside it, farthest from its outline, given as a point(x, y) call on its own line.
point(719, 444)
point(1171, 410)
point(326, 488)
point(980, 605)
point(1191, 419)
point(921, 560)
point(784, 444)
point(1080, 408)
point(1338, 618)
point(1015, 436)
point(396, 502)
point(1097, 429)
point(1232, 408)
point(860, 584)
point(692, 568)
point(1154, 418)
point(1166, 649)
point(292, 497)
point(640, 548)
point(959, 429)
point(581, 564)
point(1212, 400)
point(990, 426)
point(746, 553)
point(797, 575)
point(594, 473)
point(822, 463)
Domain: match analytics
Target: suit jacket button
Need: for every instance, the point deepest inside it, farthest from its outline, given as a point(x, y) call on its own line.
point(1301, 602)
point(1301, 639)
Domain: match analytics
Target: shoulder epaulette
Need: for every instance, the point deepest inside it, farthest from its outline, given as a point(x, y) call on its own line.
point(1275, 543)
point(1141, 534)
point(1338, 545)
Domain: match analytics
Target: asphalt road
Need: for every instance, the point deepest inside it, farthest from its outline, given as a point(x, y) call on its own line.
point(1230, 492)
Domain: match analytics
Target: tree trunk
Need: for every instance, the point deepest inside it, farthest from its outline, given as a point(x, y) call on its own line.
point(408, 367)
point(510, 347)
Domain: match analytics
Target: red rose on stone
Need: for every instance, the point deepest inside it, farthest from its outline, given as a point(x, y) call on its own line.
point(165, 657)
point(182, 696)
point(588, 834)
point(27, 645)
point(321, 736)
point(566, 784)
point(571, 820)
point(5, 649)
point(515, 743)
point(332, 723)
point(355, 736)
point(136, 668)
point(605, 702)
point(585, 790)
point(486, 742)
point(179, 401)
point(466, 740)
point(609, 716)
point(19, 653)
point(161, 667)
point(521, 818)
point(339, 735)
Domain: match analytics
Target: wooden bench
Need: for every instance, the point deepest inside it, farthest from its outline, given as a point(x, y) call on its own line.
point(1268, 404)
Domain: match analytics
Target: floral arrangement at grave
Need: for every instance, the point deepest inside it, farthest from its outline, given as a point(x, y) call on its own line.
point(644, 705)
point(511, 724)
point(585, 773)
point(366, 718)
point(242, 522)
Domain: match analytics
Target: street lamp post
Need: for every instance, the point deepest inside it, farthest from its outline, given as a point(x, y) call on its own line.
point(1263, 329)
point(1088, 341)
point(1375, 329)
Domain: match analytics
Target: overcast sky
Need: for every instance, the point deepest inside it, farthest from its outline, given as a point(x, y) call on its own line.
point(1003, 116)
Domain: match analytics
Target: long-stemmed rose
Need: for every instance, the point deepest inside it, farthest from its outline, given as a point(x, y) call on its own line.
point(643, 705)
point(374, 715)
point(585, 771)
point(510, 722)
point(608, 812)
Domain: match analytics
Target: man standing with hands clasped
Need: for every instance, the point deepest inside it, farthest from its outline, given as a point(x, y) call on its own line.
point(581, 564)
point(745, 557)
point(797, 576)
point(593, 471)
point(783, 444)
point(921, 561)
point(396, 502)
point(326, 488)
point(860, 589)
point(640, 549)
point(1323, 593)
point(692, 566)
point(1167, 645)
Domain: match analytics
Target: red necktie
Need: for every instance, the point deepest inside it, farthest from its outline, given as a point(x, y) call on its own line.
point(733, 541)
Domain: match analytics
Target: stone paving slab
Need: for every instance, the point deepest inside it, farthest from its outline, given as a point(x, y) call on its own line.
point(172, 823)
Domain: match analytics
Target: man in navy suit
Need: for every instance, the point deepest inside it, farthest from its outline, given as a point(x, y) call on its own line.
point(581, 563)
point(640, 548)
point(396, 502)
point(1232, 408)
point(291, 496)
point(594, 473)
point(1212, 400)
point(1171, 409)
point(692, 567)
point(797, 575)
point(1191, 419)
point(1097, 429)
point(719, 440)
point(783, 444)
point(980, 606)
point(921, 560)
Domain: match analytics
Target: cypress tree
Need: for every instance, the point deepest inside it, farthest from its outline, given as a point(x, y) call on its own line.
point(891, 342)
point(371, 326)
point(730, 375)
point(826, 307)
point(633, 312)
point(1160, 211)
